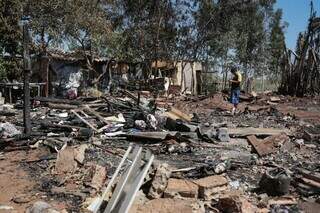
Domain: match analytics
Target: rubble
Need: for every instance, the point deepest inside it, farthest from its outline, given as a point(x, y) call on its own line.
point(160, 181)
point(200, 159)
point(275, 182)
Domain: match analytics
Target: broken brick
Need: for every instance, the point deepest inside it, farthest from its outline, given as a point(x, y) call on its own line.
point(210, 186)
point(181, 188)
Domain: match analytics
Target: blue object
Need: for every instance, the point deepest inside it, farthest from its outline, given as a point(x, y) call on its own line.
point(235, 96)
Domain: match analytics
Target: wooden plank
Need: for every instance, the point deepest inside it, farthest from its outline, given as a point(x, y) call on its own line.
point(310, 175)
point(175, 114)
point(62, 106)
point(84, 121)
point(57, 100)
point(243, 132)
point(259, 146)
point(311, 183)
point(268, 145)
point(95, 113)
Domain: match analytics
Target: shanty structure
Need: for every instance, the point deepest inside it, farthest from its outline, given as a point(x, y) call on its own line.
point(62, 71)
point(301, 69)
point(185, 74)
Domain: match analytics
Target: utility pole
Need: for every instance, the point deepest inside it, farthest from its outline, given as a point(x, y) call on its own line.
point(26, 77)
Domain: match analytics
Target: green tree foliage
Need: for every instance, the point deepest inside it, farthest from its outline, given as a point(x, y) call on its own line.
point(277, 44)
point(10, 35)
point(248, 32)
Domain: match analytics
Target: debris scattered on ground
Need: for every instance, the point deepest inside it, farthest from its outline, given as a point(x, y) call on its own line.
point(206, 160)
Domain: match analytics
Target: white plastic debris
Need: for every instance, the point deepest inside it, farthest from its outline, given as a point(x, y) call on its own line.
point(9, 130)
point(140, 124)
point(119, 119)
point(63, 115)
point(153, 121)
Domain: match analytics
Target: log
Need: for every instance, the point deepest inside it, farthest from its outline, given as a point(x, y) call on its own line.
point(62, 106)
point(57, 100)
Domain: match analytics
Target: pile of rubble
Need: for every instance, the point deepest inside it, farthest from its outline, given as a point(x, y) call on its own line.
point(201, 159)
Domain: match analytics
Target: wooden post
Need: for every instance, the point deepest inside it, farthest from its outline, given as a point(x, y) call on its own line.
point(26, 80)
point(44, 70)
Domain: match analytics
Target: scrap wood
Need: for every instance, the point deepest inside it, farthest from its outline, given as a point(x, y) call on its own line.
point(141, 103)
point(152, 135)
point(243, 132)
point(268, 145)
point(262, 147)
point(84, 121)
point(315, 176)
point(285, 200)
point(311, 182)
point(95, 113)
point(57, 100)
point(113, 151)
point(175, 114)
point(62, 106)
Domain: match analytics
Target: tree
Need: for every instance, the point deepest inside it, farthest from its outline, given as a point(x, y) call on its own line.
point(10, 35)
point(277, 45)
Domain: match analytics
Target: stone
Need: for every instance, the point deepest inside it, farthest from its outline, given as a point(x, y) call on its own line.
point(160, 181)
point(210, 186)
point(22, 198)
point(41, 207)
point(223, 135)
point(178, 188)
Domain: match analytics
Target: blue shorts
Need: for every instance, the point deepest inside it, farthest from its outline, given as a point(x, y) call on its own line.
point(235, 96)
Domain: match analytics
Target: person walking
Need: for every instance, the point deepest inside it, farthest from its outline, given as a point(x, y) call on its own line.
point(235, 88)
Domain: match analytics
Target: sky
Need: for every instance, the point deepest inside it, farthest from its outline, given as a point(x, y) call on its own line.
point(296, 13)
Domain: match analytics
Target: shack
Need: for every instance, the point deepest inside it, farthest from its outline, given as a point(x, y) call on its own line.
point(187, 75)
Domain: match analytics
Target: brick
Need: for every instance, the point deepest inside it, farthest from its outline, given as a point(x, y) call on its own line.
point(166, 205)
point(181, 188)
point(211, 186)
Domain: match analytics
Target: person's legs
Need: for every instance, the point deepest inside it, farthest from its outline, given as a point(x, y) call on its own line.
point(235, 96)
